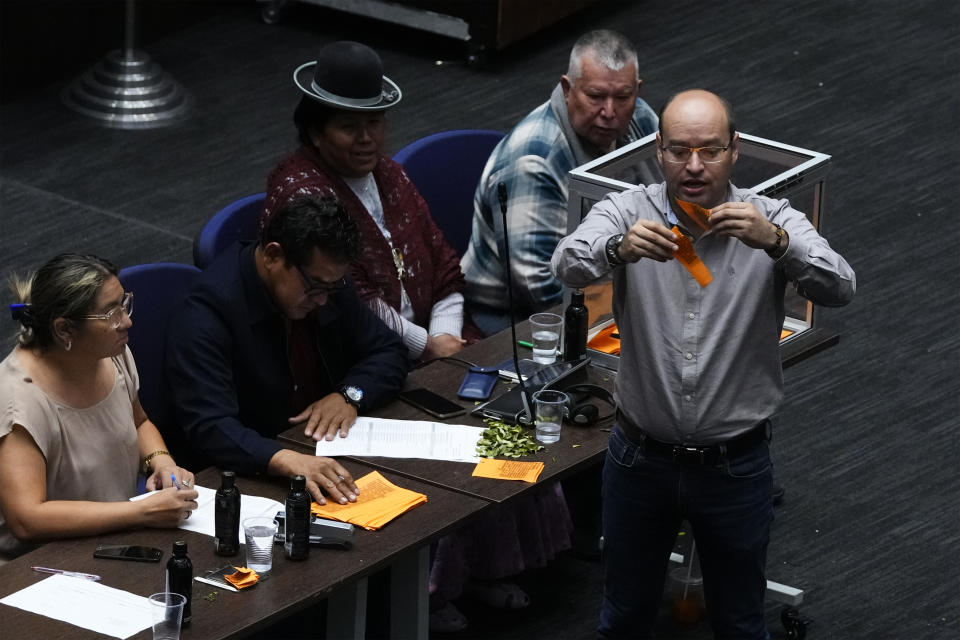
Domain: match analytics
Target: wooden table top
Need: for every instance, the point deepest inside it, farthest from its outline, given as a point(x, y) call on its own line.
point(291, 587)
point(578, 446)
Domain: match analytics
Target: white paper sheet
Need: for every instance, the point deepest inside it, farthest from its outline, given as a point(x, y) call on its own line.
point(202, 519)
point(86, 604)
point(406, 439)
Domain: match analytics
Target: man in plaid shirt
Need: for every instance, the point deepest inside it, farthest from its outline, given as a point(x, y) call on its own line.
point(593, 110)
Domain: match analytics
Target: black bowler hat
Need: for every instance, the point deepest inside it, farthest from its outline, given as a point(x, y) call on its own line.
point(348, 75)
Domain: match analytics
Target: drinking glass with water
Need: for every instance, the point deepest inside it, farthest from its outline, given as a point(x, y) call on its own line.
point(550, 408)
point(258, 534)
point(545, 332)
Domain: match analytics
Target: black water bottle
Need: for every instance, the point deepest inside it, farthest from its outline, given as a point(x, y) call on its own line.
point(180, 575)
point(226, 516)
point(296, 544)
point(575, 328)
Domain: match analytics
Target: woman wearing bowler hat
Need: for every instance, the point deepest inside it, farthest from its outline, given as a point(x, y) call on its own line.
point(411, 277)
point(406, 270)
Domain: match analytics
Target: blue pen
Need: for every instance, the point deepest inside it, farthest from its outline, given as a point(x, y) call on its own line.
point(177, 485)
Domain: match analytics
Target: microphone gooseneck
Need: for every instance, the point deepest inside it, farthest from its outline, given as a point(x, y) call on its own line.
point(527, 417)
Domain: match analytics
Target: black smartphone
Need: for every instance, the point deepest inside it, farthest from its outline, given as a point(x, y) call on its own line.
point(132, 552)
point(435, 405)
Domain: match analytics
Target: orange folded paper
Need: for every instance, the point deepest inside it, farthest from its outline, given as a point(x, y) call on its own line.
point(697, 213)
point(242, 578)
point(508, 470)
point(689, 259)
point(379, 502)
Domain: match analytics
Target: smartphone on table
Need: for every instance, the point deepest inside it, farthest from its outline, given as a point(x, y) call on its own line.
point(132, 552)
point(434, 404)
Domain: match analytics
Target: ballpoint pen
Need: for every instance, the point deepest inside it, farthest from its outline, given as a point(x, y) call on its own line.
point(173, 479)
point(524, 343)
point(72, 574)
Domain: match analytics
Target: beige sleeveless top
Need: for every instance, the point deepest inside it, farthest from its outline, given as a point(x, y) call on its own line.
point(92, 454)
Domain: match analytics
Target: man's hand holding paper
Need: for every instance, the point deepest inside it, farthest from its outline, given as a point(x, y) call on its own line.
point(648, 239)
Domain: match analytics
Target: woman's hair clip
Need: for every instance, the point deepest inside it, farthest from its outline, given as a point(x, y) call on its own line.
point(17, 310)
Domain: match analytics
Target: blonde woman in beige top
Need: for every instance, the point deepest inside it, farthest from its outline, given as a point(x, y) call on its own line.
point(73, 435)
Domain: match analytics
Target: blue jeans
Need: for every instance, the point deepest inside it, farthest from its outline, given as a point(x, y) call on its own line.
point(729, 507)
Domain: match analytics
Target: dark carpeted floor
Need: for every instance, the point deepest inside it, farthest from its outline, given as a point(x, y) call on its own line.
point(866, 443)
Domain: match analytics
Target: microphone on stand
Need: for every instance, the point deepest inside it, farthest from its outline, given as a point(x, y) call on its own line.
point(527, 416)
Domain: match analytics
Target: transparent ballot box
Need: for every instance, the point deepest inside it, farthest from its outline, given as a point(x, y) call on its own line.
point(766, 167)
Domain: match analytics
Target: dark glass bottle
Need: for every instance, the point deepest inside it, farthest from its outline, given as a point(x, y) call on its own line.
point(296, 544)
point(575, 328)
point(180, 575)
point(226, 516)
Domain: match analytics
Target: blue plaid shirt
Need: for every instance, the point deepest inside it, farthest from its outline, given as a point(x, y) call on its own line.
point(533, 162)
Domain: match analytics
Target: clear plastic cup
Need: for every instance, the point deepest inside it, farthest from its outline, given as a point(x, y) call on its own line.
point(259, 534)
point(167, 612)
point(545, 332)
point(549, 410)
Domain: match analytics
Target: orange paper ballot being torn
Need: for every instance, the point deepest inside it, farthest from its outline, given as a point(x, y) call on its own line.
point(689, 258)
point(697, 213)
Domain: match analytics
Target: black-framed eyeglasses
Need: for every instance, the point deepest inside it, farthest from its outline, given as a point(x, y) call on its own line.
point(315, 288)
point(681, 155)
point(114, 317)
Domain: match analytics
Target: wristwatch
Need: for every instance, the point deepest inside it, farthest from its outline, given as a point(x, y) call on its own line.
point(613, 244)
point(353, 395)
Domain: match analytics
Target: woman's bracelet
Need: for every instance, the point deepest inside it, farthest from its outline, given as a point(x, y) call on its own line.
point(145, 465)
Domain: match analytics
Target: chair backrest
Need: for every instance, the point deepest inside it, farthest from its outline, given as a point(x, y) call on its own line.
point(158, 288)
point(446, 168)
point(236, 221)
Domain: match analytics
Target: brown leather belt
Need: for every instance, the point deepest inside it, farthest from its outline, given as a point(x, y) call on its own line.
point(700, 455)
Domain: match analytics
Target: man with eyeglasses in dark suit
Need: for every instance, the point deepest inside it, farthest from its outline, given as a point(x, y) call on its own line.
point(272, 335)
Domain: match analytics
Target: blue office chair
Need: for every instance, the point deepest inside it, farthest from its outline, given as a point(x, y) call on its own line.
point(446, 168)
point(236, 221)
point(158, 288)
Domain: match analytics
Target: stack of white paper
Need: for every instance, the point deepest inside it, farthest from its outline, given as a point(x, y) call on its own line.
point(406, 439)
point(86, 604)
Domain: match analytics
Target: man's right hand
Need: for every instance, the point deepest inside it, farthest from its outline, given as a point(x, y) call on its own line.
point(648, 239)
point(324, 475)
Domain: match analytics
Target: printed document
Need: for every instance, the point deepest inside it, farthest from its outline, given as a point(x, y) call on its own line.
point(202, 518)
point(406, 439)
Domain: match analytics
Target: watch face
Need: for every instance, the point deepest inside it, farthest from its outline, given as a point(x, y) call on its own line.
point(354, 393)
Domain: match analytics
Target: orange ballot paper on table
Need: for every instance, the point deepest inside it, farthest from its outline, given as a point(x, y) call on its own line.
point(697, 213)
point(242, 577)
point(689, 259)
point(508, 470)
point(379, 502)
